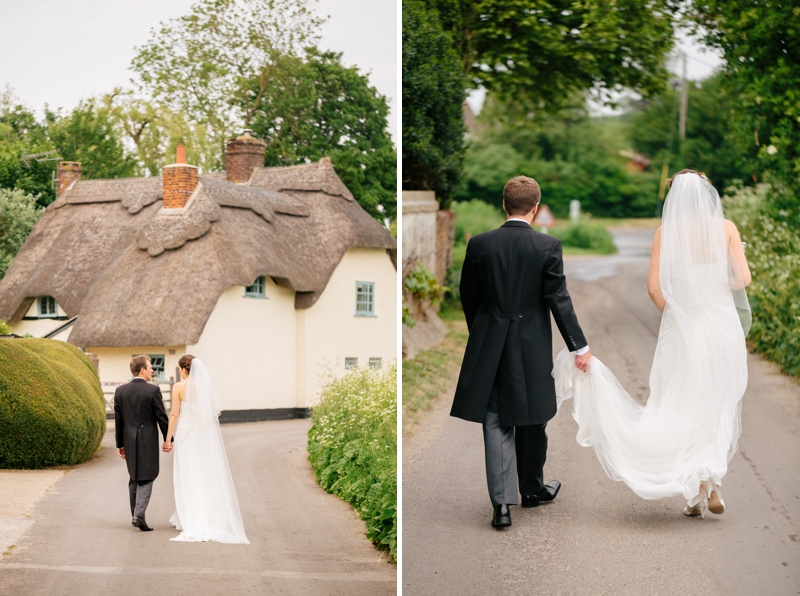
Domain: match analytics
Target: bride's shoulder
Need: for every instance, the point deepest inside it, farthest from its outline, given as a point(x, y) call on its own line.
point(730, 229)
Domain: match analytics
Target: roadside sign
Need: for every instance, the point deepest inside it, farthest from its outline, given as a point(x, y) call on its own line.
point(543, 217)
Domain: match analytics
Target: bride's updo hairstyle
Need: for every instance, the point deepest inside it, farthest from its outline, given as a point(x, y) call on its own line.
point(186, 362)
point(687, 171)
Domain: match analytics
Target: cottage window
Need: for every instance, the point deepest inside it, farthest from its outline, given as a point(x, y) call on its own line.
point(350, 363)
point(157, 362)
point(374, 362)
point(47, 307)
point(365, 299)
point(257, 290)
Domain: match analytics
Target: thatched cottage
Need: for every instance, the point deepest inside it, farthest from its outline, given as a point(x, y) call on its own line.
point(274, 277)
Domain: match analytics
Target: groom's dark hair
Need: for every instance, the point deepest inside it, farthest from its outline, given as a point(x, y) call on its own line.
point(138, 363)
point(521, 195)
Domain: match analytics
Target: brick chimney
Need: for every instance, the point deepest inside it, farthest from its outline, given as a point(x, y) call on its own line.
point(242, 155)
point(180, 181)
point(68, 171)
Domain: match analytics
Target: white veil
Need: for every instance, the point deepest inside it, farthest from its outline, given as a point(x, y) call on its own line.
point(689, 428)
point(206, 506)
point(697, 266)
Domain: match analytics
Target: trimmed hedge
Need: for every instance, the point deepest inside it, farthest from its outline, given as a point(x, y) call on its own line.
point(352, 446)
point(52, 410)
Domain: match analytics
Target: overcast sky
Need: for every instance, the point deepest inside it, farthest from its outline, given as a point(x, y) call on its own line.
point(58, 52)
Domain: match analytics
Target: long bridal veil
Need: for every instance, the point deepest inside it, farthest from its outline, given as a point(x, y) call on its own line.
point(206, 507)
point(689, 428)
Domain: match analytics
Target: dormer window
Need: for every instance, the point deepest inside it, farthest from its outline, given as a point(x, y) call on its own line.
point(257, 289)
point(48, 309)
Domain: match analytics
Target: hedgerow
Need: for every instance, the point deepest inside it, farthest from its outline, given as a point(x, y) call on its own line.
point(352, 446)
point(771, 229)
point(52, 410)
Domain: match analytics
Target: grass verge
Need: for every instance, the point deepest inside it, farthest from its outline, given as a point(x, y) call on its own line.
point(352, 447)
point(432, 372)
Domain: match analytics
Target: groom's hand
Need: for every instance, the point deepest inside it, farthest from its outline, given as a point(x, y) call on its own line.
point(121, 452)
point(582, 362)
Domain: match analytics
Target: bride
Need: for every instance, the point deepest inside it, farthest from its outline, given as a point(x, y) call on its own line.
point(206, 507)
point(681, 441)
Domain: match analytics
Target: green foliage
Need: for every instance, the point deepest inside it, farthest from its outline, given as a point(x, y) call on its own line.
point(52, 410)
point(475, 217)
point(87, 135)
point(352, 446)
point(203, 64)
point(315, 107)
point(433, 93)
point(408, 320)
point(588, 236)
point(5, 328)
point(18, 214)
point(545, 50)
point(20, 136)
point(708, 146)
point(772, 234)
point(761, 45)
point(424, 285)
point(570, 155)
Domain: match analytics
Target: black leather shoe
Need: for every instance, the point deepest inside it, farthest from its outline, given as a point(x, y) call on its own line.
point(142, 525)
point(501, 516)
point(548, 493)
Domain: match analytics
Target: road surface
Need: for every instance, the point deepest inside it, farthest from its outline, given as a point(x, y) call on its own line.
point(597, 537)
point(302, 540)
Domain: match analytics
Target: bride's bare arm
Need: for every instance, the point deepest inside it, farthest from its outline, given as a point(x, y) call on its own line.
point(653, 283)
point(177, 397)
point(735, 242)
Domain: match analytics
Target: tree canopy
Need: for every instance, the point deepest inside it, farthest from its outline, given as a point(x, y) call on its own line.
point(544, 50)
point(433, 94)
point(316, 107)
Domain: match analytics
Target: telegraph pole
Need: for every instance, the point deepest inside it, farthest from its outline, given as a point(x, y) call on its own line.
point(684, 99)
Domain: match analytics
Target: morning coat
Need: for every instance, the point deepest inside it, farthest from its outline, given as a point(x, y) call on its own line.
point(138, 408)
point(512, 279)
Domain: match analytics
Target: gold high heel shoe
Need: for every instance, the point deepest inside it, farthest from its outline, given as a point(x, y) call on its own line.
point(715, 503)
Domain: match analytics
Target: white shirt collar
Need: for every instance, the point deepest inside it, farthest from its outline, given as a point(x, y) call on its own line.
point(518, 219)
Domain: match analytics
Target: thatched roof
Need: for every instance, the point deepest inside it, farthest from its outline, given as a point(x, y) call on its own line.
point(137, 275)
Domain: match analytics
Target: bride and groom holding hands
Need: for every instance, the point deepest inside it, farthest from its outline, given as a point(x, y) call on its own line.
point(681, 441)
point(206, 506)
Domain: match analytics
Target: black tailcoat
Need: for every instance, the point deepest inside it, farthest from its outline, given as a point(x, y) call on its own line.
point(512, 279)
point(137, 410)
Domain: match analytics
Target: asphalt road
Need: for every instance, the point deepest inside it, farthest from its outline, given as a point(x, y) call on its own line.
point(597, 537)
point(302, 540)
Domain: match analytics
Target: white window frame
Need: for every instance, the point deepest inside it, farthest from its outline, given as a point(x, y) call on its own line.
point(350, 363)
point(163, 369)
point(375, 362)
point(369, 293)
point(40, 311)
point(258, 289)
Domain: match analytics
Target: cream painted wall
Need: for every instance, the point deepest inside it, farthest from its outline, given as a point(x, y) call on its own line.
point(329, 331)
point(249, 347)
point(40, 327)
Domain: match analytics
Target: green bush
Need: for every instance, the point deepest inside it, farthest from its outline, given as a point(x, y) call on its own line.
point(352, 446)
point(772, 234)
point(52, 410)
point(5, 329)
point(588, 236)
point(475, 217)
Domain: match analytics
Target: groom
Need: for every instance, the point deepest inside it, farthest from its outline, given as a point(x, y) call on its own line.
point(137, 409)
point(512, 279)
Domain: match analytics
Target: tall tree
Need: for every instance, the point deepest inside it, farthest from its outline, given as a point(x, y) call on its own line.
point(761, 47)
point(544, 50)
point(204, 64)
point(18, 214)
point(27, 156)
point(433, 94)
point(87, 135)
point(315, 106)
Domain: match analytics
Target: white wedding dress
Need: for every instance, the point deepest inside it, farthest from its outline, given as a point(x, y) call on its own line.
point(689, 429)
point(206, 507)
